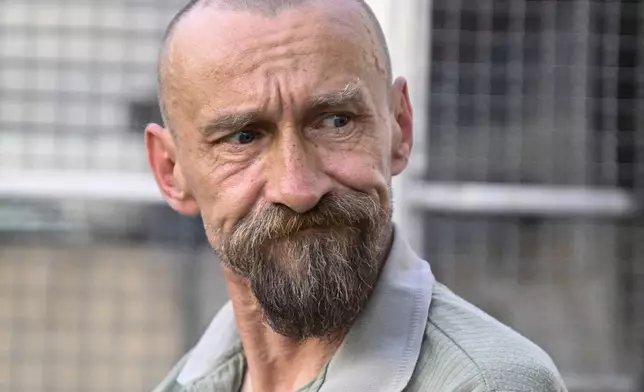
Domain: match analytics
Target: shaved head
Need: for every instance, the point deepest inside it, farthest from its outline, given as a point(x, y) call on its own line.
point(264, 7)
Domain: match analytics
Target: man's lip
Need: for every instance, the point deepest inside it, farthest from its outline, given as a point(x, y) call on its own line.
point(310, 230)
point(313, 229)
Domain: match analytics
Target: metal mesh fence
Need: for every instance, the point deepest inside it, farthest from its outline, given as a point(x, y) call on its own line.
point(95, 286)
point(73, 73)
point(103, 288)
point(544, 95)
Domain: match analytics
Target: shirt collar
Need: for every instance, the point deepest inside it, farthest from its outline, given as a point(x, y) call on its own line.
point(219, 339)
point(382, 348)
point(380, 352)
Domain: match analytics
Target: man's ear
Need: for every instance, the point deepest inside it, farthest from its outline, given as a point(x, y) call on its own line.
point(161, 153)
point(402, 126)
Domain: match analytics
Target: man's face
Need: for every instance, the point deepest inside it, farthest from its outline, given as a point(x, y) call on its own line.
point(286, 135)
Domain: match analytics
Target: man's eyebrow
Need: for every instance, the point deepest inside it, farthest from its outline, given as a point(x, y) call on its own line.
point(229, 121)
point(351, 93)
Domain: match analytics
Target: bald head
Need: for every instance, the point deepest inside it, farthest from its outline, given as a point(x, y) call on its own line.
point(269, 8)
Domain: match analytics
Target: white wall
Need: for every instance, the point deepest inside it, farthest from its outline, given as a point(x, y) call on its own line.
point(407, 27)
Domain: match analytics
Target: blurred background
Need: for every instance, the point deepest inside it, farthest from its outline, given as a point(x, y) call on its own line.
point(525, 190)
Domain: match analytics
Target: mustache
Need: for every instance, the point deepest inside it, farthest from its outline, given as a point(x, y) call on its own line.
point(275, 221)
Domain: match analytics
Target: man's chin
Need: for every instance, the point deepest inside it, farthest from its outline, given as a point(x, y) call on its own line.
point(320, 320)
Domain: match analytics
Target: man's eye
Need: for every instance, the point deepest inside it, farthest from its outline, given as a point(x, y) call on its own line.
point(242, 137)
point(335, 121)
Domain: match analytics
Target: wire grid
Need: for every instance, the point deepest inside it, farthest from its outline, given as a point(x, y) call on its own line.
point(72, 75)
point(544, 93)
point(94, 295)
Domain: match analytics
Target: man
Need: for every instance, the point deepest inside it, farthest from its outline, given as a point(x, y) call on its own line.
point(283, 129)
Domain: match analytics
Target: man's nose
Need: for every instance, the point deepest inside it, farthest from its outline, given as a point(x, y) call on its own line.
point(296, 177)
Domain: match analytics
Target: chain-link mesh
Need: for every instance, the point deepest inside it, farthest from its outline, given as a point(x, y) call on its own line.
point(544, 93)
point(96, 293)
point(103, 291)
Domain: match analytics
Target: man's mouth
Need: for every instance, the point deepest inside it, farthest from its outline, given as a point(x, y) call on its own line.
point(313, 230)
point(307, 231)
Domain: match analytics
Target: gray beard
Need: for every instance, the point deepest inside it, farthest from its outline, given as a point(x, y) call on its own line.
point(315, 286)
point(313, 279)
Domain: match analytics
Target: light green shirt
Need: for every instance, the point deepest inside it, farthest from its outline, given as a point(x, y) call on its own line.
point(414, 335)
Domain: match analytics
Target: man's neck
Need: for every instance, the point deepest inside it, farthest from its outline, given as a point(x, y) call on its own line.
point(274, 363)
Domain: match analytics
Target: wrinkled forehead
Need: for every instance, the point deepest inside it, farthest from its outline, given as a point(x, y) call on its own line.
point(222, 52)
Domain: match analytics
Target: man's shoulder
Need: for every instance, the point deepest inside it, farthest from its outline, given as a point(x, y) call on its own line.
point(467, 350)
point(169, 383)
point(217, 356)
